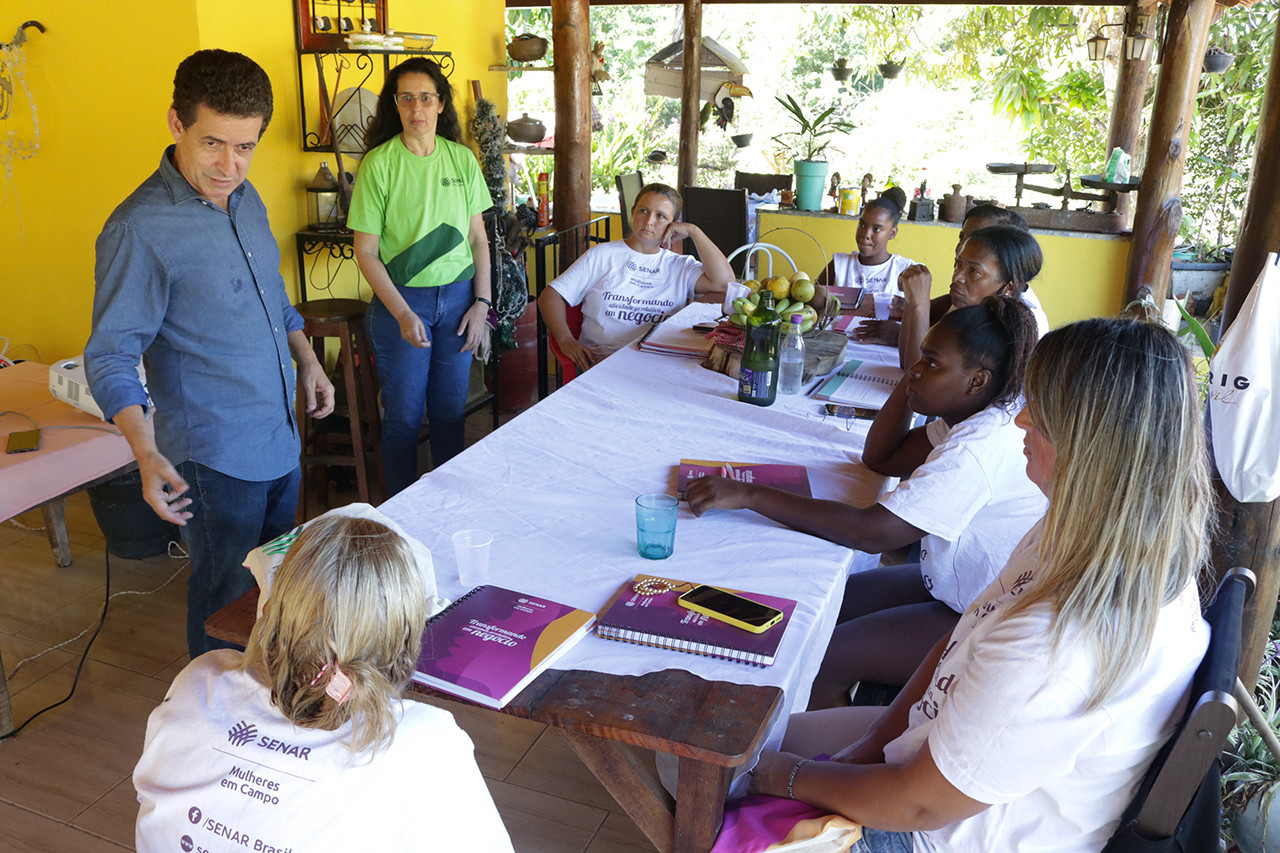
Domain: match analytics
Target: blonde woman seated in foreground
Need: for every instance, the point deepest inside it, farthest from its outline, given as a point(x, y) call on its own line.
point(1031, 724)
point(303, 741)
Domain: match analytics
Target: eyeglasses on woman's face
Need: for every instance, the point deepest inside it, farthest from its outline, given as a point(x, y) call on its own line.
point(408, 99)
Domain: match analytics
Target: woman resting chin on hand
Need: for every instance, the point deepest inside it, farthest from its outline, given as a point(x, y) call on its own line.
point(1031, 724)
point(626, 286)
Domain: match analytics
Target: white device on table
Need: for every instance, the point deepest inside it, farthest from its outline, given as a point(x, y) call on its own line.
point(67, 382)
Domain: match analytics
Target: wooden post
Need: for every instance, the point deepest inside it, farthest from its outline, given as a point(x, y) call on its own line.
point(1159, 207)
point(1248, 534)
point(1131, 91)
point(570, 27)
point(690, 96)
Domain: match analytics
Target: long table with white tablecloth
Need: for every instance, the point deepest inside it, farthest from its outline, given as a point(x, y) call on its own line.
point(556, 488)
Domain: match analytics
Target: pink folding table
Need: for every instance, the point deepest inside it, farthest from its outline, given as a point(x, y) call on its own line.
point(68, 460)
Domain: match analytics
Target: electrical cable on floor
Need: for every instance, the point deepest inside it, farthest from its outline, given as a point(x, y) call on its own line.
point(13, 522)
point(90, 627)
point(97, 629)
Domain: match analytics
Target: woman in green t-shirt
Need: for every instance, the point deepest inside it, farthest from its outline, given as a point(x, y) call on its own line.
point(420, 243)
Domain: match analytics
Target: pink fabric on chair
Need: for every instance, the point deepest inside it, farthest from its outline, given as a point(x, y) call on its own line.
point(759, 823)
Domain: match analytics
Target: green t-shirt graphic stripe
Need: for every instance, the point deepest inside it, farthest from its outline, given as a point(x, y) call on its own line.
point(420, 208)
point(407, 265)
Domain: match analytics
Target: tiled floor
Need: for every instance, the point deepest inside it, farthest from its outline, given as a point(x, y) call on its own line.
point(65, 780)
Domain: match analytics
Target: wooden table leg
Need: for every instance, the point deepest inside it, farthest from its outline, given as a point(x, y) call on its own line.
point(633, 784)
point(55, 527)
point(6, 710)
point(700, 792)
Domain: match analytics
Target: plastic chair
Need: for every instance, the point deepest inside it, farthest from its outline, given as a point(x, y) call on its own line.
point(629, 186)
point(760, 184)
point(1178, 805)
point(568, 370)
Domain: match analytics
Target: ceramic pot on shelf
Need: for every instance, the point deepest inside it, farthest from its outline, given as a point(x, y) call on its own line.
point(526, 130)
point(953, 206)
point(527, 48)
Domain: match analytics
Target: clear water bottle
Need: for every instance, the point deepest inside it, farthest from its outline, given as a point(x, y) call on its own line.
point(791, 358)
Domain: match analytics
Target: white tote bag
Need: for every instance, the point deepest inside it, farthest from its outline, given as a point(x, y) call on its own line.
point(1244, 394)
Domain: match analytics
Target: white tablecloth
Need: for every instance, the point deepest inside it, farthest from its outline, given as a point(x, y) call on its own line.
point(556, 487)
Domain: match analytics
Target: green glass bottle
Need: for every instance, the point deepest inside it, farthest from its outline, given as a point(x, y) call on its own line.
point(758, 376)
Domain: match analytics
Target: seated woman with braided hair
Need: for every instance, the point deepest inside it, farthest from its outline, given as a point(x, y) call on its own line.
point(964, 495)
point(303, 742)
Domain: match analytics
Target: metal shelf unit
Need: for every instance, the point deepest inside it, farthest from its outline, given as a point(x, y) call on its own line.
point(331, 63)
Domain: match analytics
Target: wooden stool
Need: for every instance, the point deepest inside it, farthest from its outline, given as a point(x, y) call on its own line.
point(343, 319)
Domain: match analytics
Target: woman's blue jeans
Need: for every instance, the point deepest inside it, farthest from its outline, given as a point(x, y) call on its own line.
point(432, 380)
point(880, 841)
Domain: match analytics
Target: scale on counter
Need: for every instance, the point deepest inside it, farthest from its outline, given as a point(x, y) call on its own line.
point(1110, 195)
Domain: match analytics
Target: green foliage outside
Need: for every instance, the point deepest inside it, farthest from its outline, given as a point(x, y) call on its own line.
point(981, 84)
point(1225, 128)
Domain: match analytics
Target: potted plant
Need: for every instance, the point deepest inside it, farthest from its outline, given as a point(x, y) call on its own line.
point(841, 70)
point(890, 68)
point(806, 144)
point(1251, 772)
point(1216, 60)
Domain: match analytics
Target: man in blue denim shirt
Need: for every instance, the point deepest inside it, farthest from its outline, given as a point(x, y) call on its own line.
point(188, 276)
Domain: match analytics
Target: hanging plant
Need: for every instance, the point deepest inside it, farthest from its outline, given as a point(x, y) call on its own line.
point(1216, 60)
point(890, 69)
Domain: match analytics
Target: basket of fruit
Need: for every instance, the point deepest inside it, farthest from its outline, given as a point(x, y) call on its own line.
point(793, 294)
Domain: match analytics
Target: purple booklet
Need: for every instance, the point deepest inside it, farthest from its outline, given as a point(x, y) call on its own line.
point(491, 642)
point(657, 619)
point(789, 478)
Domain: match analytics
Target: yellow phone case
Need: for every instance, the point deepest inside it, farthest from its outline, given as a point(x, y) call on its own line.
point(729, 620)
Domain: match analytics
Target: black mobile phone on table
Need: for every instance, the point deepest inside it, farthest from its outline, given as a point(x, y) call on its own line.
point(23, 442)
point(731, 608)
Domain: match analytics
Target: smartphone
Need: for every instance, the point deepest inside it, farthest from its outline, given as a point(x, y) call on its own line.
point(24, 441)
point(851, 411)
point(727, 607)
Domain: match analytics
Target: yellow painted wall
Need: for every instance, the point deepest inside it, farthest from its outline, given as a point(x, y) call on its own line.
point(1083, 274)
point(101, 104)
point(101, 110)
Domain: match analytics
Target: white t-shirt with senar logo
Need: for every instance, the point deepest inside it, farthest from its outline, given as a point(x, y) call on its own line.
point(623, 292)
point(222, 769)
point(1007, 720)
point(972, 498)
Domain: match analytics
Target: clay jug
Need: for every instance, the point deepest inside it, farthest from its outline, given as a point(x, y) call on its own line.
point(953, 205)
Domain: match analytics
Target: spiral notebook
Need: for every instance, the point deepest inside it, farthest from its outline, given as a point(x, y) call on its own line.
point(860, 383)
point(491, 642)
point(659, 620)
